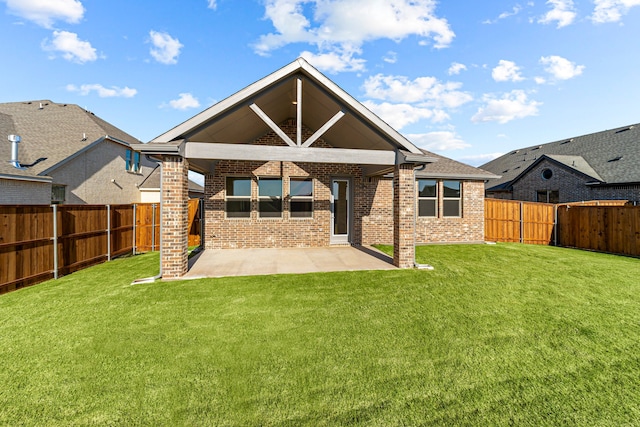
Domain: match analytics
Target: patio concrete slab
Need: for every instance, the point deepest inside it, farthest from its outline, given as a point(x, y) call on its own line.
point(249, 262)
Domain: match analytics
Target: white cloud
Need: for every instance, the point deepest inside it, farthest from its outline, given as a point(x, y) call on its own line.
point(103, 92)
point(345, 25)
point(540, 80)
point(211, 4)
point(401, 115)
point(506, 71)
point(561, 68)
point(165, 48)
point(456, 67)
point(438, 141)
point(46, 12)
point(184, 102)
point(72, 48)
point(391, 57)
point(335, 62)
point(504, 15)
point(427, 91)
point(562, 12)
point(511, 106)
point(611, 10)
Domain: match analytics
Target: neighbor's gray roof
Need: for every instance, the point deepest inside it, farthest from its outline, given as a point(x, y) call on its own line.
point(611, 157)
point(54, 132)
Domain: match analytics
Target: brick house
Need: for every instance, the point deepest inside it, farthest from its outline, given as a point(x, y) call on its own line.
point(294, 161)
point(599, 166)
point(62, 153)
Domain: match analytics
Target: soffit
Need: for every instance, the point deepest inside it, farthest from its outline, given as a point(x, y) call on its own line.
point(240, 124)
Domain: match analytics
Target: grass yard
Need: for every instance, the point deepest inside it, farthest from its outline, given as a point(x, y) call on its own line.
point(495, 335)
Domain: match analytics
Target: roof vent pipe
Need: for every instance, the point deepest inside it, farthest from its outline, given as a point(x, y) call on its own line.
point(15, 140)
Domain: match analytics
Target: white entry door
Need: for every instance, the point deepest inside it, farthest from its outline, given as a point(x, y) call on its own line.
point(340, 211)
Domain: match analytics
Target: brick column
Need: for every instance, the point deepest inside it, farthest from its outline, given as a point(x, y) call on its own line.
point(174, 216)
point(404, 205)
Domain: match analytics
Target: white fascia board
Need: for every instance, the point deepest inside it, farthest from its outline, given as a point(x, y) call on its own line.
point(215, 151)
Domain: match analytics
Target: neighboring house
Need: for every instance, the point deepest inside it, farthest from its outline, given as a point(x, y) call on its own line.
point(150, 188)
point(294, 161)
point(66, 154)
point(600, 166)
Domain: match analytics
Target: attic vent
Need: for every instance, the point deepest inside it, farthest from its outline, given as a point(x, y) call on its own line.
point(566, 142)
point(536, 148)
point(515, 152)
point(615, 159)
point(517, 167)
point(505, 171)
point(624, 129)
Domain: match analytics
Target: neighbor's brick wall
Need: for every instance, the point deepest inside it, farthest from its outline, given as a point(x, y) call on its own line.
point(174, 216)
point(18, 192)
point(571, 186)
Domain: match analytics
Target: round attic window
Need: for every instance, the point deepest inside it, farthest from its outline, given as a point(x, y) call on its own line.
point(547, 173)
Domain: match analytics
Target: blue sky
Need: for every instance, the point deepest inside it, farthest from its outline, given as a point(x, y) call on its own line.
point(468, 80)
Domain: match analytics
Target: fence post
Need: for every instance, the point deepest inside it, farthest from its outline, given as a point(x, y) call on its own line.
point(555, 225)
point(202, 223)
point(108, 232)
point(134, 228)
point(55, 241)
point(153, 227)
point(521, 222)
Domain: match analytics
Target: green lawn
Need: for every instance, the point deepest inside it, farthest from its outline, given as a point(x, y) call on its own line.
point(495, 335)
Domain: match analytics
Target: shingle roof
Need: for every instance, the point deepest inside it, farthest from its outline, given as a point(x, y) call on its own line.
point(611, 157)
point(52, 131)
point(152, 182)
point(445, 167)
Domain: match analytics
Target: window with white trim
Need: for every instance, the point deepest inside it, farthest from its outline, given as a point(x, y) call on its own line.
point(451, 198)
point(238, 197)
point(427, 197)
point(270, 197)
point(301, 197)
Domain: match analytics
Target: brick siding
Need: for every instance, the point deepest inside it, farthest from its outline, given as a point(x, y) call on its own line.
point(174, 217)
point(20, 192)
point(570, 185)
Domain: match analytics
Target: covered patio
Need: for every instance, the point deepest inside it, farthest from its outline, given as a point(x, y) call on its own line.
point(251, 262)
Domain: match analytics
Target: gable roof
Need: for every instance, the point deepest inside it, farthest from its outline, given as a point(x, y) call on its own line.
point(445, 168)
point(53, 132)
point(275, 94)
point(609, 157)
point(152, 182)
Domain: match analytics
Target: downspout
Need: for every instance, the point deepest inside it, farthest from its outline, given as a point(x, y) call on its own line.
point(416, 264)
point(159, 275)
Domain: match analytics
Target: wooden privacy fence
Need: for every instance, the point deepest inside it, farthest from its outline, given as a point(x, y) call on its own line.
point(603, 225)
point(40, 242)
point(515, 221)
point(613, 229)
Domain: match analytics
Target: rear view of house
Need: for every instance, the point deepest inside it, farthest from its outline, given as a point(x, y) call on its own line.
point(294, 161)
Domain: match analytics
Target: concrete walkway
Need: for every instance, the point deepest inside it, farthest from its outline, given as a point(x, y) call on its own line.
point(249, 262)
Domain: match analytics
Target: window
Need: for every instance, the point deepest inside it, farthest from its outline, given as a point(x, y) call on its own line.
point(58, 193)
point(451, 198)
point(301, 202)
point(270, 197)
point(132, 162)
point(238, 197)
point(547, 174)
point(427, 197)
point(548, 196)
